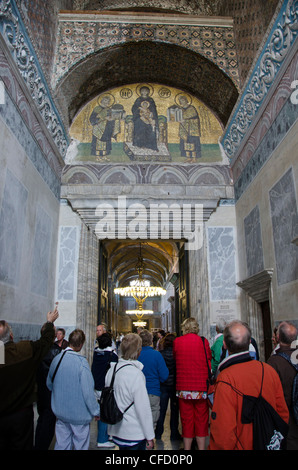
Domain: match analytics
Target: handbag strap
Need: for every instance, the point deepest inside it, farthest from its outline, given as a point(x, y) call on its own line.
point(287, 358)
point(113, 378)
point(209, 371)
point(262, 380)
point(57, 367)
point(241, 393)
point(114, 373)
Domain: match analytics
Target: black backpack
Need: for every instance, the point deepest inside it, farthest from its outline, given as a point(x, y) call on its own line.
point(109, 411)
point(294, 401)
point(269, 429)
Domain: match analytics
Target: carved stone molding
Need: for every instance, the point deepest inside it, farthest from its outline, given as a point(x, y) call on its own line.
point(258, 285)
point(280, 40)
point(21, 49)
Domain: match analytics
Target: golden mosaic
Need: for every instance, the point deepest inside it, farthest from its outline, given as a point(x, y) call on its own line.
point(146, 122)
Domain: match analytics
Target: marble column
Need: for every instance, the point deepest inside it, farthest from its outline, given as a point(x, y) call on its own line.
point(87, 297)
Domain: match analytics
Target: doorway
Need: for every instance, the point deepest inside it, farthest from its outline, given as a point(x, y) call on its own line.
point(161, 261)
point(258, 288)
point(267, 331)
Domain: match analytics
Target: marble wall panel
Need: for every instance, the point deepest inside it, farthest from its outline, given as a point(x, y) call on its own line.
point(41, 254)
point(284, 218)
point(67, 263)
point(253, 242)
point(12, 220)
point(273, 138)
point(151, 173)
point(222, 263)
point(10, 113)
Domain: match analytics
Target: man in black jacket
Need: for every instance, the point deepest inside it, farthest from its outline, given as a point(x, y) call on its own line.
point(45, 426)
point(18, 379)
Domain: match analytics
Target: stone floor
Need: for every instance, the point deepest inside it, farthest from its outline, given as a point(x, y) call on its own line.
point(162, 444)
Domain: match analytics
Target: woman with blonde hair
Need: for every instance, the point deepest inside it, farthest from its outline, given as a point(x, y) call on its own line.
point(135, 431)
point(190, 352)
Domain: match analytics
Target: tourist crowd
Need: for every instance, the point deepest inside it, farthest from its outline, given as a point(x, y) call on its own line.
point(205, 388)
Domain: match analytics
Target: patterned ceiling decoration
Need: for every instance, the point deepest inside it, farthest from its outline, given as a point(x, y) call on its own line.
point(99, 50)
point(250, 17)
point(83, 34)
point(148, 62)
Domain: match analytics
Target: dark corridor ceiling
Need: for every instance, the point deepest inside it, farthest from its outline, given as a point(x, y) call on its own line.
point(160, 258)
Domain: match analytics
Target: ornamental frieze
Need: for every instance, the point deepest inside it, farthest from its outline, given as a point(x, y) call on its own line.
point(278, 45)
point(82, 34)
point(21, 49)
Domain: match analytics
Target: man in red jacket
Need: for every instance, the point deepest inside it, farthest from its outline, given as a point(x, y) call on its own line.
point(191, 354)
point(227, 432)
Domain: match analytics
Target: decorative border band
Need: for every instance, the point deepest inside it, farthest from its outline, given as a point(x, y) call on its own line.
point(22, 51)
point(282, 36)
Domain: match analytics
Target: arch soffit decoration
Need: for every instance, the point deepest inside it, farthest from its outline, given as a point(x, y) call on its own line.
point(162, 63)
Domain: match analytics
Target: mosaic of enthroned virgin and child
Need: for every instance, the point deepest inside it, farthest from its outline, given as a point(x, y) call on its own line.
point(145, 123)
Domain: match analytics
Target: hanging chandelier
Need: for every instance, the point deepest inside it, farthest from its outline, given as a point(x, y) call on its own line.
point(139, 314)
point(140, 289)
point(140, 323)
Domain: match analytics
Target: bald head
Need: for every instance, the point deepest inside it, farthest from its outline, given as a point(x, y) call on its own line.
point(237, 336)
point(286, 333)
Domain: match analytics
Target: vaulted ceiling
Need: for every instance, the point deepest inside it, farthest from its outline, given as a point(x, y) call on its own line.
point(250, 19)
point(168, 64)
point(150, 61)
point(160, 259)
point(147, 62)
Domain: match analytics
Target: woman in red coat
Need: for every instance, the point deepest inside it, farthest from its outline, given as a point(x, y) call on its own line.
point(191, 383)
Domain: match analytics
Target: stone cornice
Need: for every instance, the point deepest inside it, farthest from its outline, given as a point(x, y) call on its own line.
point(258, 285)
point(149, 18)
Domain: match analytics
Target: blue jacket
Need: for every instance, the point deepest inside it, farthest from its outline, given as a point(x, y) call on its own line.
point(73, 398)
point(155, 369)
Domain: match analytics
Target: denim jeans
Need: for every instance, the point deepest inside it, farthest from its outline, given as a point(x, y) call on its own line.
point(102, 434)
point(168, 394)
